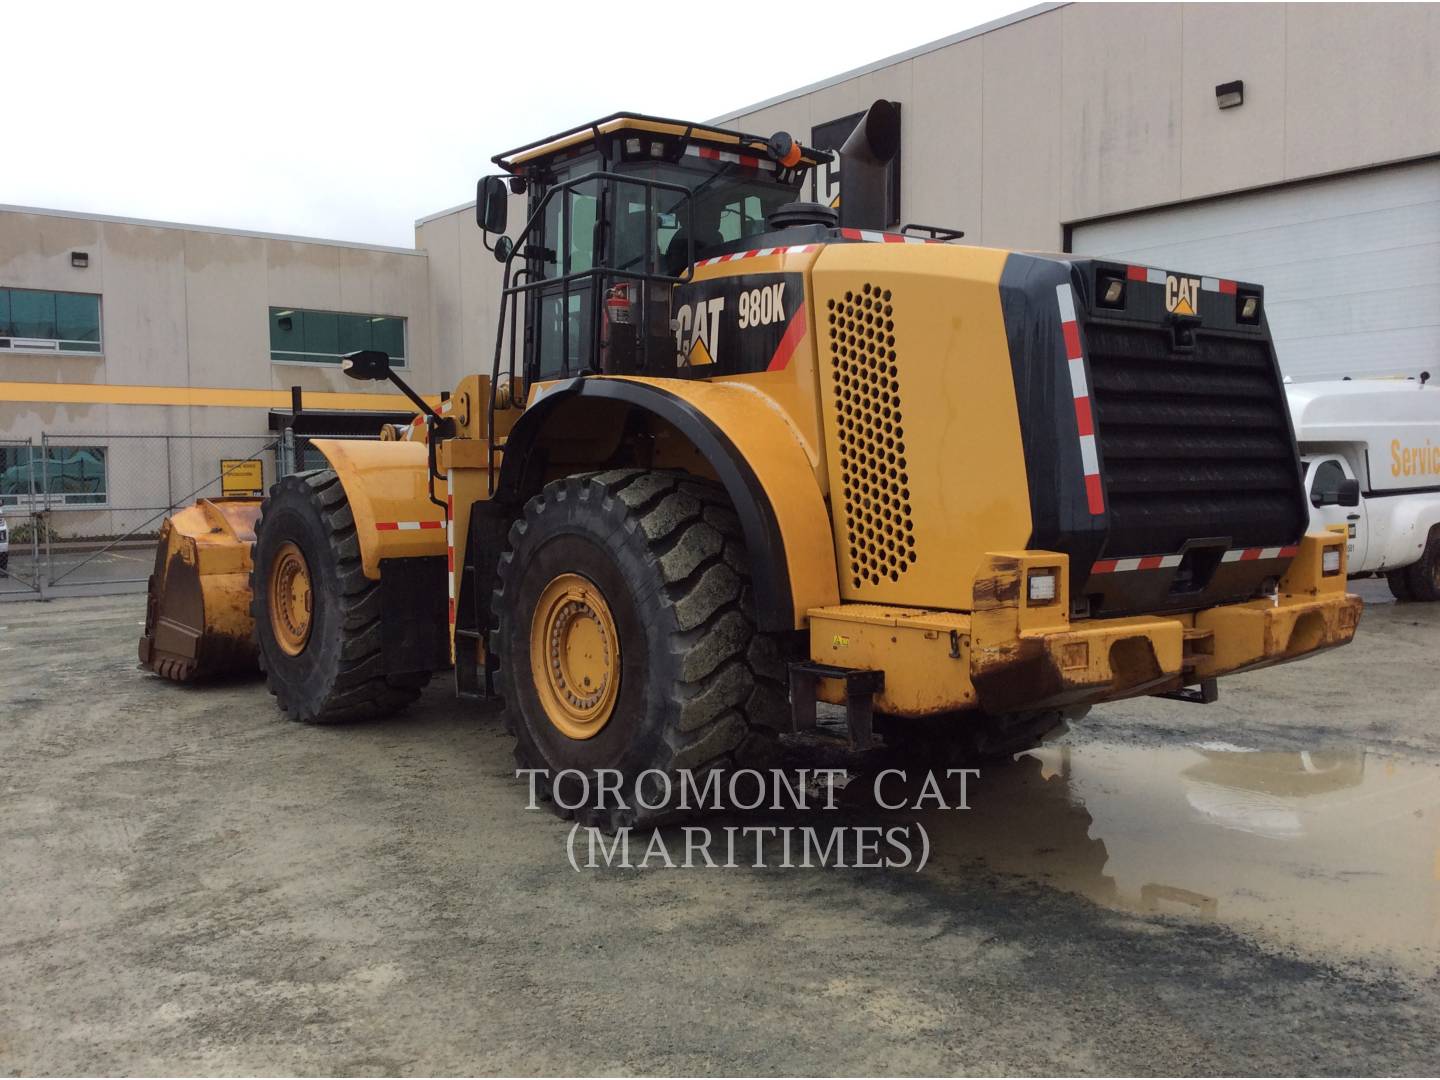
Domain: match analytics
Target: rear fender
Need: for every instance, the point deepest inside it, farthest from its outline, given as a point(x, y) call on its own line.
point(738, 435)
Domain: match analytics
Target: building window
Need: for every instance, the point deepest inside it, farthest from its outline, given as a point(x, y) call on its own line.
point(33, 320)
point(68, 475)
point(323, 337)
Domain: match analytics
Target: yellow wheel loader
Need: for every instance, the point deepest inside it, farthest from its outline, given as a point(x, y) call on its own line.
point(738, 453)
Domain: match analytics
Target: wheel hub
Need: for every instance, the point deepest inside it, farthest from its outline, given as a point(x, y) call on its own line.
point(292, 601)
point(575, 656)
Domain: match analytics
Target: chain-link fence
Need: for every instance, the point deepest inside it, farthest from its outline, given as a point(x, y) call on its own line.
point(22, 524)
point(83, 511)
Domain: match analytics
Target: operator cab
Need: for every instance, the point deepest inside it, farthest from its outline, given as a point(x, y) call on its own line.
point(619, 211)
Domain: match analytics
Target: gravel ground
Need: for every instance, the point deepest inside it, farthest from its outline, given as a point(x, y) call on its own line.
point(189, 884)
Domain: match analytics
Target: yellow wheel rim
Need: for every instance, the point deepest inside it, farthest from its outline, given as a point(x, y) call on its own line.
point(575, 656)
point(292, 603)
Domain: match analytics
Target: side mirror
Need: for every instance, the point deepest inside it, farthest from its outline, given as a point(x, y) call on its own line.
point(503, 247)
point(368, 365)
point(1348, 493)
point(492, 202)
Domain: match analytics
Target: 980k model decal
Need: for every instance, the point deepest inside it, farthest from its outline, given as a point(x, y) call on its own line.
point(733, 325)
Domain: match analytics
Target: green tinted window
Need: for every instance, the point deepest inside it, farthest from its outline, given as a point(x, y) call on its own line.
point(51, 321)
point(63, 475)
point(323, 337)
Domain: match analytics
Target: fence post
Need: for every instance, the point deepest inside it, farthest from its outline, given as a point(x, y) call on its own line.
point(169, 475)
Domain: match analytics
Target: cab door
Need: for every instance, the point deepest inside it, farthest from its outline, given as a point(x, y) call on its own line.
point(1326, 483)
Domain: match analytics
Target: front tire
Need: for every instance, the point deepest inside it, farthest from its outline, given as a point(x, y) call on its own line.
point(317, 616)
point(626, 632)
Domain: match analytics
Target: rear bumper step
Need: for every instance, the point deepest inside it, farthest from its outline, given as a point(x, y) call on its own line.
point(860, 688)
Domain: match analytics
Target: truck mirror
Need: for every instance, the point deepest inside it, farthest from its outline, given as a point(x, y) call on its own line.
point(492, 201)
point(368, 365)
point(1348, 493)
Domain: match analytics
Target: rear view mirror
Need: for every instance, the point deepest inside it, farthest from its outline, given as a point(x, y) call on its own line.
point(492, 201)
point(369, 365)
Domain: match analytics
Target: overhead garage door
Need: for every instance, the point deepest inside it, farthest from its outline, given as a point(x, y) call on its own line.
point(1350, 265)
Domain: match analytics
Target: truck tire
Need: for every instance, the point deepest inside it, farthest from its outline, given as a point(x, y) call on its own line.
point(1423, 577)
point(317, 616)
point(625, 629)
point(1399, 582)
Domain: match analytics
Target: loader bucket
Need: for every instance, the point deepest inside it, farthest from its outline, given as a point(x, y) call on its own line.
point(197, 619)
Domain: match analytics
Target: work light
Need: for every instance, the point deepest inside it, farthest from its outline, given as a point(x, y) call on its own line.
point(1042, 586)
point(1330, 561)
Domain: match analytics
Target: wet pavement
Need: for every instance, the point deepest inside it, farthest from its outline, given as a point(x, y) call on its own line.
point(190, 884)
point(1331, 853)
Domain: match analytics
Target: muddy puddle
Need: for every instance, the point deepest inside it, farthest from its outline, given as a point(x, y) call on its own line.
point(1333, 852)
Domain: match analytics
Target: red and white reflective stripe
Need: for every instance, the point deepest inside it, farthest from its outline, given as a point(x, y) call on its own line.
point(1165, 562)
point(871, 236)
point(1080, 391)
point(749, 161)
point(450, 540)
point(1251, 554)
point(793, 249)
point(407, 526)
point(1157, 277)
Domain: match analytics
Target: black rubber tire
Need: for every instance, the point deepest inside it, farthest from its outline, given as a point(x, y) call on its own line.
point(340, 675)
point(1399, 582)
point(974, 738)
point(1423, 577)
point(700, 688)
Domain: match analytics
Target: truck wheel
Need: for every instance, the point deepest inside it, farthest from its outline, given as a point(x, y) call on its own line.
point(626, 632)
point(1423, 577)
point(1399, 582)
point(317, 616)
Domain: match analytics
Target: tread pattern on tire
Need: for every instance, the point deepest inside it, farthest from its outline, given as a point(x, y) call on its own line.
point(731, 677)
point(362, 689)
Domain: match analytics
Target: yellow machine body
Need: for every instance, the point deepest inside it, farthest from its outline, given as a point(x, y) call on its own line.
point(197, 619)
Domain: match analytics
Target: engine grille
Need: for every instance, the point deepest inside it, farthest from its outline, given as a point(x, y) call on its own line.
point(1194, 444)
point(866, 382)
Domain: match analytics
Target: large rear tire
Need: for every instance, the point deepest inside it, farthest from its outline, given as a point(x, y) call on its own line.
point(626, 635)
point(317, 616)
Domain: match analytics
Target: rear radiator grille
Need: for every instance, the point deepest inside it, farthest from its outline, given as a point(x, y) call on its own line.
point(1194, 444)
point(876, 488)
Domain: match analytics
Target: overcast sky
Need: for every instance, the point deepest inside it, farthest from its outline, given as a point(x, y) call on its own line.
point(351, 120)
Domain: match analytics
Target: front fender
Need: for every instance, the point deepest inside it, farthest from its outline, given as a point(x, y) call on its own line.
point(755, 452)
point(387, 484)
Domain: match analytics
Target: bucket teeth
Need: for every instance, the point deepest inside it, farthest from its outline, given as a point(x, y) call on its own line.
point(198, 623)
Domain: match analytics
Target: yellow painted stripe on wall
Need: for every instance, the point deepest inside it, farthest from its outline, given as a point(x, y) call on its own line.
point(104, 394)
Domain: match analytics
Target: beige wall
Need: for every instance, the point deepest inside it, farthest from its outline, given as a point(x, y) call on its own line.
point(1077, 112)
point(1088, 110)
point(187, 307)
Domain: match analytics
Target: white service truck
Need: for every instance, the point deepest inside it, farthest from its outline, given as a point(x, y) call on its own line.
point(1371, 452)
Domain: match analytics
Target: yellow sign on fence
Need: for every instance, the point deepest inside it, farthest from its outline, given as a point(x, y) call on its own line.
point(242, 478)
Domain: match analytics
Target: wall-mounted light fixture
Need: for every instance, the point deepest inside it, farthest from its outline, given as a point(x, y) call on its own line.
point(1230, 94)
point(79, 259)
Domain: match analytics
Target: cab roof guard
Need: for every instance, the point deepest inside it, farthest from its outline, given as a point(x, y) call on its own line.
point(687, 132)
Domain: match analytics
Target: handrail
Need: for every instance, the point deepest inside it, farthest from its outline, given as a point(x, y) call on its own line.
point(509, 290)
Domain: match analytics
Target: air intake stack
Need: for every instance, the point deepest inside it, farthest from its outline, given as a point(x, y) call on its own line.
point(864, 167)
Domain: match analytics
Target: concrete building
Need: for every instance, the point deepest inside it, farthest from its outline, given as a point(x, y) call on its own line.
point(148, 353)
point(1294, 145)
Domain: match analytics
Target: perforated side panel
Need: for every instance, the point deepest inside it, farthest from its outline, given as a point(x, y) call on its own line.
point(876, 488)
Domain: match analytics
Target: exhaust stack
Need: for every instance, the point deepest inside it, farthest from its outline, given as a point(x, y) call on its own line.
point(864, 167)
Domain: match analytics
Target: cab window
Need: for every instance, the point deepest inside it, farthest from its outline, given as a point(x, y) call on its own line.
point(1327, 479)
